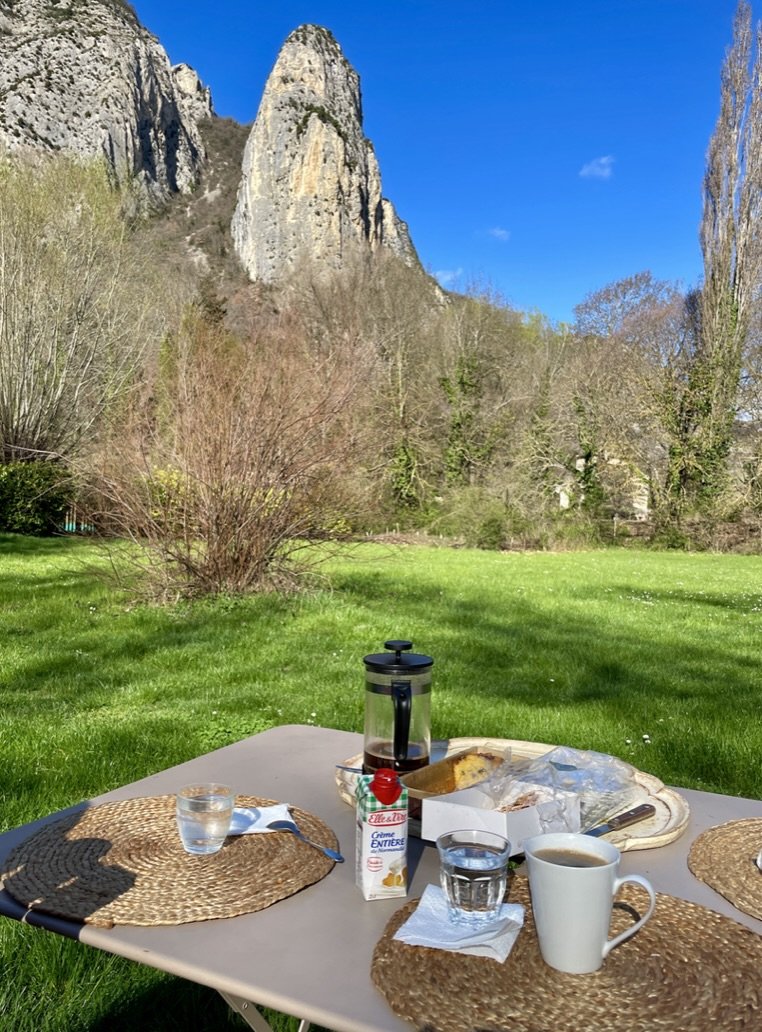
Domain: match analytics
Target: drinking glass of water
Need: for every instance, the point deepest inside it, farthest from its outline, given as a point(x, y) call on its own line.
point(473, 870)
point(204, 813)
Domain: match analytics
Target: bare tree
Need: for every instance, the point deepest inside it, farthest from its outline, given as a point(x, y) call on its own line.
point(615, 310)
point(637, 340)
point(73, 304)
point(392, 310)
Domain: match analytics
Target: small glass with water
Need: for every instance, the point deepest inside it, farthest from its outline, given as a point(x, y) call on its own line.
point(473, 870)
point(204, 813)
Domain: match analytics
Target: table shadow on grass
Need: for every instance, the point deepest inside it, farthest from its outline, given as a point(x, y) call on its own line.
point(51, 873)
point(173, 1005)
point(176, 1005)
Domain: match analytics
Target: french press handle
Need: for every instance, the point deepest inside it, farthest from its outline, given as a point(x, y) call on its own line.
point(401, 697)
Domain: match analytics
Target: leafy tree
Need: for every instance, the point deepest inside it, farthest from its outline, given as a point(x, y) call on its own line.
point(404, 477)
point(34, 497)
point(466, 447)
point(479, 368)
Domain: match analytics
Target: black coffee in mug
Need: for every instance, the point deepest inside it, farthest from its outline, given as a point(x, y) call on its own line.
point(570, 858)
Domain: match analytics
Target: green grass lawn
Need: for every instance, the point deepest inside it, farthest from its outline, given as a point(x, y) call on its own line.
point(592, 649)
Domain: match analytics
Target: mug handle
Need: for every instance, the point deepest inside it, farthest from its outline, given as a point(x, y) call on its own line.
point(638, 924)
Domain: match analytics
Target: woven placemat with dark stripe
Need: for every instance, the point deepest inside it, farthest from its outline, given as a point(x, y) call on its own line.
point(687, 970)
point(724, 857)
point(123, 863)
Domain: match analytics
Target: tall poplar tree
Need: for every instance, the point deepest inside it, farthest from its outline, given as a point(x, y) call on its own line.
point(731, 239)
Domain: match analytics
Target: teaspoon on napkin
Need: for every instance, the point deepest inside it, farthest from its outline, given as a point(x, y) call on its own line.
point(290, 826)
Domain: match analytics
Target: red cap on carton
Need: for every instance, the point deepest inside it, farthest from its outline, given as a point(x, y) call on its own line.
point(386, 786)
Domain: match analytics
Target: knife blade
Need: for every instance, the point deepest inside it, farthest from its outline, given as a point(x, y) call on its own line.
point(623, 820)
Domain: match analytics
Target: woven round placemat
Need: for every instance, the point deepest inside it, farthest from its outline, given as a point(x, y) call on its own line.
point(123, 863)
point(687, 970)
point(724, 857)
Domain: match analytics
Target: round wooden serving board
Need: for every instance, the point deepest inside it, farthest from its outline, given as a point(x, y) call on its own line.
point(667, 824)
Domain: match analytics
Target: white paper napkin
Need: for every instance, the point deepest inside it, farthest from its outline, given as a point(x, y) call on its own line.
point(250, 819)
point(429, 925)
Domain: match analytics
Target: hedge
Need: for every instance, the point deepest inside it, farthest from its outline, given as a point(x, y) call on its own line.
point(34, 497)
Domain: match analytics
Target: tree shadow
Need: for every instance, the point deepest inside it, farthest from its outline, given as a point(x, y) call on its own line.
point(24, 545)
point(493, 652)
point(555, 671)
point(549, 667)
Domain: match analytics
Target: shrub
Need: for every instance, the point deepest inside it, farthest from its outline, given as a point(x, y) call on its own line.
point(232, 464)
point(475, 516)
point(34, 497)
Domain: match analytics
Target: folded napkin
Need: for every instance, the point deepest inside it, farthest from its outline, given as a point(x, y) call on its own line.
point(250, 819)
point(430, 925)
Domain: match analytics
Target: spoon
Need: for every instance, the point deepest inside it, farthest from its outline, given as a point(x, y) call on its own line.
point(290, 826)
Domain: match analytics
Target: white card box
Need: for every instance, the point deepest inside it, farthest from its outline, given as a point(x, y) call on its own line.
point(471, 808)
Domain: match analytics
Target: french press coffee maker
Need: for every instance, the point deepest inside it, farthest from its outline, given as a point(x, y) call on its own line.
point(397, 709)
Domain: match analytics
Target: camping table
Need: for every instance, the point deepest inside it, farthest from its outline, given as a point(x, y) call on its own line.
point(310, 955)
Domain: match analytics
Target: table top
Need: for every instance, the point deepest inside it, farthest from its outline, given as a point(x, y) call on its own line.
point(310, 955)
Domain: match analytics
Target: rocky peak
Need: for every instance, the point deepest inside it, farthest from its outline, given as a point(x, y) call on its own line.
point(311, 186)
point(84, 76)
point(196, 98)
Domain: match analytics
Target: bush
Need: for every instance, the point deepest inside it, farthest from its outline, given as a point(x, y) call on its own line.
point(231, 464)
point(34, 497)
point(479, 519)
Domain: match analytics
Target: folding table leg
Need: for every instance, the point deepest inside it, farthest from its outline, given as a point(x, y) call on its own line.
point(251, 1015)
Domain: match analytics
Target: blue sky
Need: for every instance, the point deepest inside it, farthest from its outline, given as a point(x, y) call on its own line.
point(542, 149)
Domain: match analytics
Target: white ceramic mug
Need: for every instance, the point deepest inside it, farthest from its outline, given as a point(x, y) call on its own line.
point(573, 881)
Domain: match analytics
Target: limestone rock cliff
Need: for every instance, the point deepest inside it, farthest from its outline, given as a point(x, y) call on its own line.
point(195, 98)
point(311, 185)
point(83, 76)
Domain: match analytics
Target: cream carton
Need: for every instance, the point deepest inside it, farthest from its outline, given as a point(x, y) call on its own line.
point(381, 839)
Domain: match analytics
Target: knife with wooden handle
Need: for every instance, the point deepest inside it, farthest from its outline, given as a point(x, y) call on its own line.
point(623, 820)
